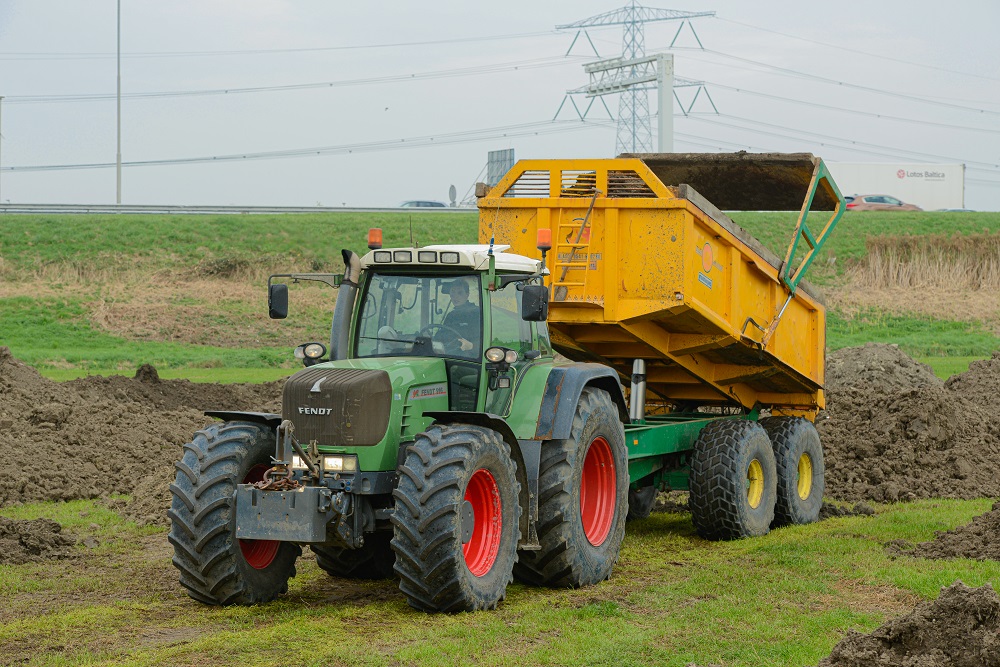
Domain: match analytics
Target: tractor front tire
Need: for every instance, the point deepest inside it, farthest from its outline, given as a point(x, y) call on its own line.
point(372, 561)
point(216, 568)
point(798, 455)
point(733, 480)
point(582, 499)
point(455, 524)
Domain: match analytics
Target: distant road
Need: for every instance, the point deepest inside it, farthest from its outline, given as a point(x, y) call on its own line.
point(215, 210)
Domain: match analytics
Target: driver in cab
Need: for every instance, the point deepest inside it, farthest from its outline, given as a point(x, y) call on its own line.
point(463, 320)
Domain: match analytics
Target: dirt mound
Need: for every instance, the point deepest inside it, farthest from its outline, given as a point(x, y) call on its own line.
point(981, 383)
point(892, 431)
point(30, 541)
point(978, 540)
point(97, 436)
point(832, 510)
point(959, 629)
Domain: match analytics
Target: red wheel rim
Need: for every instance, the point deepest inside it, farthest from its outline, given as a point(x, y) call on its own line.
point(598, 492)
point(258, 553)
point(487, 510)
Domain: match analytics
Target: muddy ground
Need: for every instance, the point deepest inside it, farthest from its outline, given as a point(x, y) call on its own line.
point(892, 431)
point(959, 629)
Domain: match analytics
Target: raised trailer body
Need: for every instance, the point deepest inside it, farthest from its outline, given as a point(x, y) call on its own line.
point(646, 268)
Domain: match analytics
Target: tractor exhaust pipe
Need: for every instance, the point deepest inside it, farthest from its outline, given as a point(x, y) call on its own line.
point(340, 328)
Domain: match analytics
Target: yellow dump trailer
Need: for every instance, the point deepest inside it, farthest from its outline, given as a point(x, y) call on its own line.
point(645, 266)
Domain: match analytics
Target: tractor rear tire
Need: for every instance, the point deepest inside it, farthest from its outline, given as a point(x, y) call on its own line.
point(798, 455)
point(641, 502)
point(455, 524)
point(733, 480)
point(372, 561)
point(216, 568)
point(582, 500)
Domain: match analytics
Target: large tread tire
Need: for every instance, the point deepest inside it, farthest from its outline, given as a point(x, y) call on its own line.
point(568, 558)
point(798, 456)
point(725, 503)
point(450, 469)
point(641, 502)
point(213, 563)
point(372, 561)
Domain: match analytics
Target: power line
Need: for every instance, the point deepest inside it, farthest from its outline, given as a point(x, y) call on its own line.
point(857, 112)
point(551, 61)
point(41, 55)
point(864, 53)
point(465, 136)
point(845, 84)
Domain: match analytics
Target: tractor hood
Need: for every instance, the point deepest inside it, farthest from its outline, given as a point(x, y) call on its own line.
point(348, 403)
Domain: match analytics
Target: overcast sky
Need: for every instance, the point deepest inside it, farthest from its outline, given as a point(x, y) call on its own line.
point(785, 76)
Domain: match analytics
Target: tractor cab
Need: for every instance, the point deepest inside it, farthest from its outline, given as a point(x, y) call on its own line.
point(443, 301)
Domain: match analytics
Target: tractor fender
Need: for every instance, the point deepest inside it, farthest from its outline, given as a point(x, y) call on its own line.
point(562, 393)
point(267, 419)
point(526, 463)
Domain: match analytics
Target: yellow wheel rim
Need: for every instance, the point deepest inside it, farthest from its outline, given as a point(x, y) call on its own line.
point(805, 476)
point(755, 483)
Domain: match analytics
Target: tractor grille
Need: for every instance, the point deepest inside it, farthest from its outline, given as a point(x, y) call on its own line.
point(338, 406)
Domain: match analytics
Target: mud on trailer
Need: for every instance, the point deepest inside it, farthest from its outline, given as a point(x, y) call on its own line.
point(470, 425)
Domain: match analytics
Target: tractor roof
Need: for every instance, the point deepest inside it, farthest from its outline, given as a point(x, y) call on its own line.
point(474, 257)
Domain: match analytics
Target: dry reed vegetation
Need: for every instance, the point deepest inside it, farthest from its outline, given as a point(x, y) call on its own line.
point(944, 277)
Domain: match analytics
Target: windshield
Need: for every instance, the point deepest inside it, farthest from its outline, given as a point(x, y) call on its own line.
point(426, 315)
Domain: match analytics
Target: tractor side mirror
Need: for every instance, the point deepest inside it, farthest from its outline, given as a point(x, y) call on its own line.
point(535, 303)
point(277, 301)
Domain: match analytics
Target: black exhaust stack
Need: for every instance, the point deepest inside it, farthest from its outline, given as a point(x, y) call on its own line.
point(340, 329)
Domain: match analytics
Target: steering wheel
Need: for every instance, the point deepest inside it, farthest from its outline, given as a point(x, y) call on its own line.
point(439, 327)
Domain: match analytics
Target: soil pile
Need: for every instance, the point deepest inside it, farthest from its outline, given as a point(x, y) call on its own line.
point(978, 540)
point(981, 383)
point(893, 431)
point(98, 436)
point(30, 541)
point(959, 629)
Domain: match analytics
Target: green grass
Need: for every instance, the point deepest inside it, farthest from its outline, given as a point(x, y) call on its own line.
point(783, 599)
point(214, 245)
point(917, 336)
point(55, 332)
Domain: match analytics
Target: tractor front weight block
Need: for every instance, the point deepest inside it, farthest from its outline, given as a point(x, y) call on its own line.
point(299, 516)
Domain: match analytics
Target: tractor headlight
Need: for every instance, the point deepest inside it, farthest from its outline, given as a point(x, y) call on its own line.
point(298, 463)
point(495, 355)
point(340, 463)
point(310, 351)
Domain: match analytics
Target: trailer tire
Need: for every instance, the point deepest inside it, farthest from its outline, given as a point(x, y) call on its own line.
point(733, 480)
point(372, 561)
point(216, 568)
point(641, 502)
point(581, 531)
point(455, 524)
point(798, 456)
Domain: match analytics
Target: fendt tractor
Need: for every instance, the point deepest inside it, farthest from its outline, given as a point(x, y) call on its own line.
point(470, 423)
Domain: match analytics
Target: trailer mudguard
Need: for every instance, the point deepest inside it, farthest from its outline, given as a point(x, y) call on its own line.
point(562, 393)
point(268, 419)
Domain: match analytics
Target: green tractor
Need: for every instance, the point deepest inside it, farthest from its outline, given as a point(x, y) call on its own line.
point(441, 443)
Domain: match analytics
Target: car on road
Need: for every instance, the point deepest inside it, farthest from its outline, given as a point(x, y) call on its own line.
point(878, 203)
point(422, 203)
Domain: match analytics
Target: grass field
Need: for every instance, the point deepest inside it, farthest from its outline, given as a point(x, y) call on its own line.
point(783, 599)
point(103, 294)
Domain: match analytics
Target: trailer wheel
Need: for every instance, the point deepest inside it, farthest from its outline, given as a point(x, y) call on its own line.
point(582, 500)
point(455, 524)
point(641, 502)
point(798, 455)
point(215, 567)
point(372, 561)
point(733, 480)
